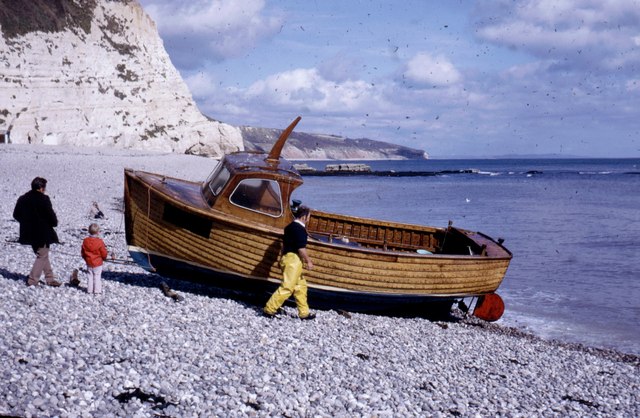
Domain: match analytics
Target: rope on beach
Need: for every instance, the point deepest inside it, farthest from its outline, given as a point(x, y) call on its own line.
point(113, 260)
point(121, 261)
point(108, 260)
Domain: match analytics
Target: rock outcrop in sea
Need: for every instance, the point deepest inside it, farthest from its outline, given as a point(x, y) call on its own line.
point(96, 74)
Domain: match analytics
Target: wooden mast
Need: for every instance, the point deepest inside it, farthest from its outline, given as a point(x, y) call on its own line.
point(274, 155)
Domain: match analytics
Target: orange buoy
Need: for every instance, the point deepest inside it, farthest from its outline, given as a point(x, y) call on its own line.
point(490, 307)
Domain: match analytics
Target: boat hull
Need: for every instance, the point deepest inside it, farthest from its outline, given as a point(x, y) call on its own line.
point(258, 290)
point(170, 227)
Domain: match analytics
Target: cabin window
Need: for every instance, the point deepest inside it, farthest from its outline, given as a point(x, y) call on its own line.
point(218, 180)
point(258, 195)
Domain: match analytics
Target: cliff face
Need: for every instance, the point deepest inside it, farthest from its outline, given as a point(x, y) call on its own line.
point(95, 73)
point(301, 146)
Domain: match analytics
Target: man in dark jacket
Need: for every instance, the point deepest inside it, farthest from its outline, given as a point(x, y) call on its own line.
point(37, 219)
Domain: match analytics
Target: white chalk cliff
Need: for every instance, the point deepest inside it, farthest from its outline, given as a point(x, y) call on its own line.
point(98, 76)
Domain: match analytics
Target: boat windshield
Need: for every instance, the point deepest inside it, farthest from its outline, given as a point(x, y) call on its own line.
point(258, 195)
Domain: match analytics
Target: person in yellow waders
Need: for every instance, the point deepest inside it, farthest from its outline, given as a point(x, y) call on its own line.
point(294, 257)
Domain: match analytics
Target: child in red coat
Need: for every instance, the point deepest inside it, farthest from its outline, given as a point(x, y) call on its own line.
point(94, 253)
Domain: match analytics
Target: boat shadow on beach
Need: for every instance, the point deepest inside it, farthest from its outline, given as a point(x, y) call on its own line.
point(253, 301)
point(256, 300)
point(155, 281)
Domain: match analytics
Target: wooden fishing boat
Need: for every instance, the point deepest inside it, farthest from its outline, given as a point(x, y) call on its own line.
point(227, 232)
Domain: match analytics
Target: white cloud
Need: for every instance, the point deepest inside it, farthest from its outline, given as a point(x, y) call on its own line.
point(601, 35)
point(226, 28)
point(205, 15)
point(307, 88)
point(527, 70)
point(201, 84)
point(426, 70)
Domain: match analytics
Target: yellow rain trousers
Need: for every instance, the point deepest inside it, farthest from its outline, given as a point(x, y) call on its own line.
point(292, 284)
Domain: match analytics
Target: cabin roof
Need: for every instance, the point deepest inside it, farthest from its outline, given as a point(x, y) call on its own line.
point(257, 162)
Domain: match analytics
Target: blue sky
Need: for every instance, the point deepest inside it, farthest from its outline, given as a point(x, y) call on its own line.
point(454, 78)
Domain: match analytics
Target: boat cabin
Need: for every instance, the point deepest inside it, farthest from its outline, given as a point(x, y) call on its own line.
point(253, 187)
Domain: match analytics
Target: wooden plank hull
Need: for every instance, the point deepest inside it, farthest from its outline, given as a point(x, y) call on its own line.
point(172, 230)
point(258, 290)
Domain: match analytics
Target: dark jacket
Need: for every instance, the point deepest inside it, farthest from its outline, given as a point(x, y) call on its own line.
point(37, 219)
point(295, 237)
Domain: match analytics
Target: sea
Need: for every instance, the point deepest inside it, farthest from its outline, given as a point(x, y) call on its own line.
point(573, 226)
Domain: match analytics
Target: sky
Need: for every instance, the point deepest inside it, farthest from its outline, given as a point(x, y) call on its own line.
point(455, 78)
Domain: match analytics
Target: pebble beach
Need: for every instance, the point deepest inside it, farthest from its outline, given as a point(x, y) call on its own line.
point(135, 352)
